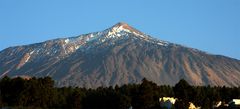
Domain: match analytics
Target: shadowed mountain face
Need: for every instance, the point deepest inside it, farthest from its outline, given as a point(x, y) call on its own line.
point(118, 55)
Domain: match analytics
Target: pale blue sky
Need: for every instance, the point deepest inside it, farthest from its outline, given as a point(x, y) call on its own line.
point(209, 25)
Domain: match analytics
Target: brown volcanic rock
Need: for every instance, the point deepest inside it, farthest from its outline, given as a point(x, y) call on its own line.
point(118, 55)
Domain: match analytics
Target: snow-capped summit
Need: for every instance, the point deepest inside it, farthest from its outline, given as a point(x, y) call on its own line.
point(120, 31)
point(121, 26)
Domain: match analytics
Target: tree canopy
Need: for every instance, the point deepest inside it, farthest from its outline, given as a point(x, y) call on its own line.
point(41, 93)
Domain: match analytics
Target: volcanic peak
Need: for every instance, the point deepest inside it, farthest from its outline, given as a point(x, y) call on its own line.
point(121, 26)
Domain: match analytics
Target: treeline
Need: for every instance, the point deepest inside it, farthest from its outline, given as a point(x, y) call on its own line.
point(41, 93)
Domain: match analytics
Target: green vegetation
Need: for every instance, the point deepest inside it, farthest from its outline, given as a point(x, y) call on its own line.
point(41, 93)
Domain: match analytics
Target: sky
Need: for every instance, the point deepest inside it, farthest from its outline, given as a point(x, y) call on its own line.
point(212, 26)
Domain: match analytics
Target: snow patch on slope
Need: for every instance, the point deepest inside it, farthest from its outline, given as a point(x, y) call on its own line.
point(67, 46)
point(66, 41)
point(27, 59)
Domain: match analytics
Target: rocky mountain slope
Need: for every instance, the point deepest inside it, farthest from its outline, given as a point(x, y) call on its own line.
point(118, 55)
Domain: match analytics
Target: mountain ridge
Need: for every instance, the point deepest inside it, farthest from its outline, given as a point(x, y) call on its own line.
point(118, 55)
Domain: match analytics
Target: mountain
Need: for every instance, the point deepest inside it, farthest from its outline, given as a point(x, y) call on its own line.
point(118, 55)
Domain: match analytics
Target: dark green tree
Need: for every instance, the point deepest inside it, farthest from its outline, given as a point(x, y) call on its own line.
point(146, 96)
point(184, 92)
